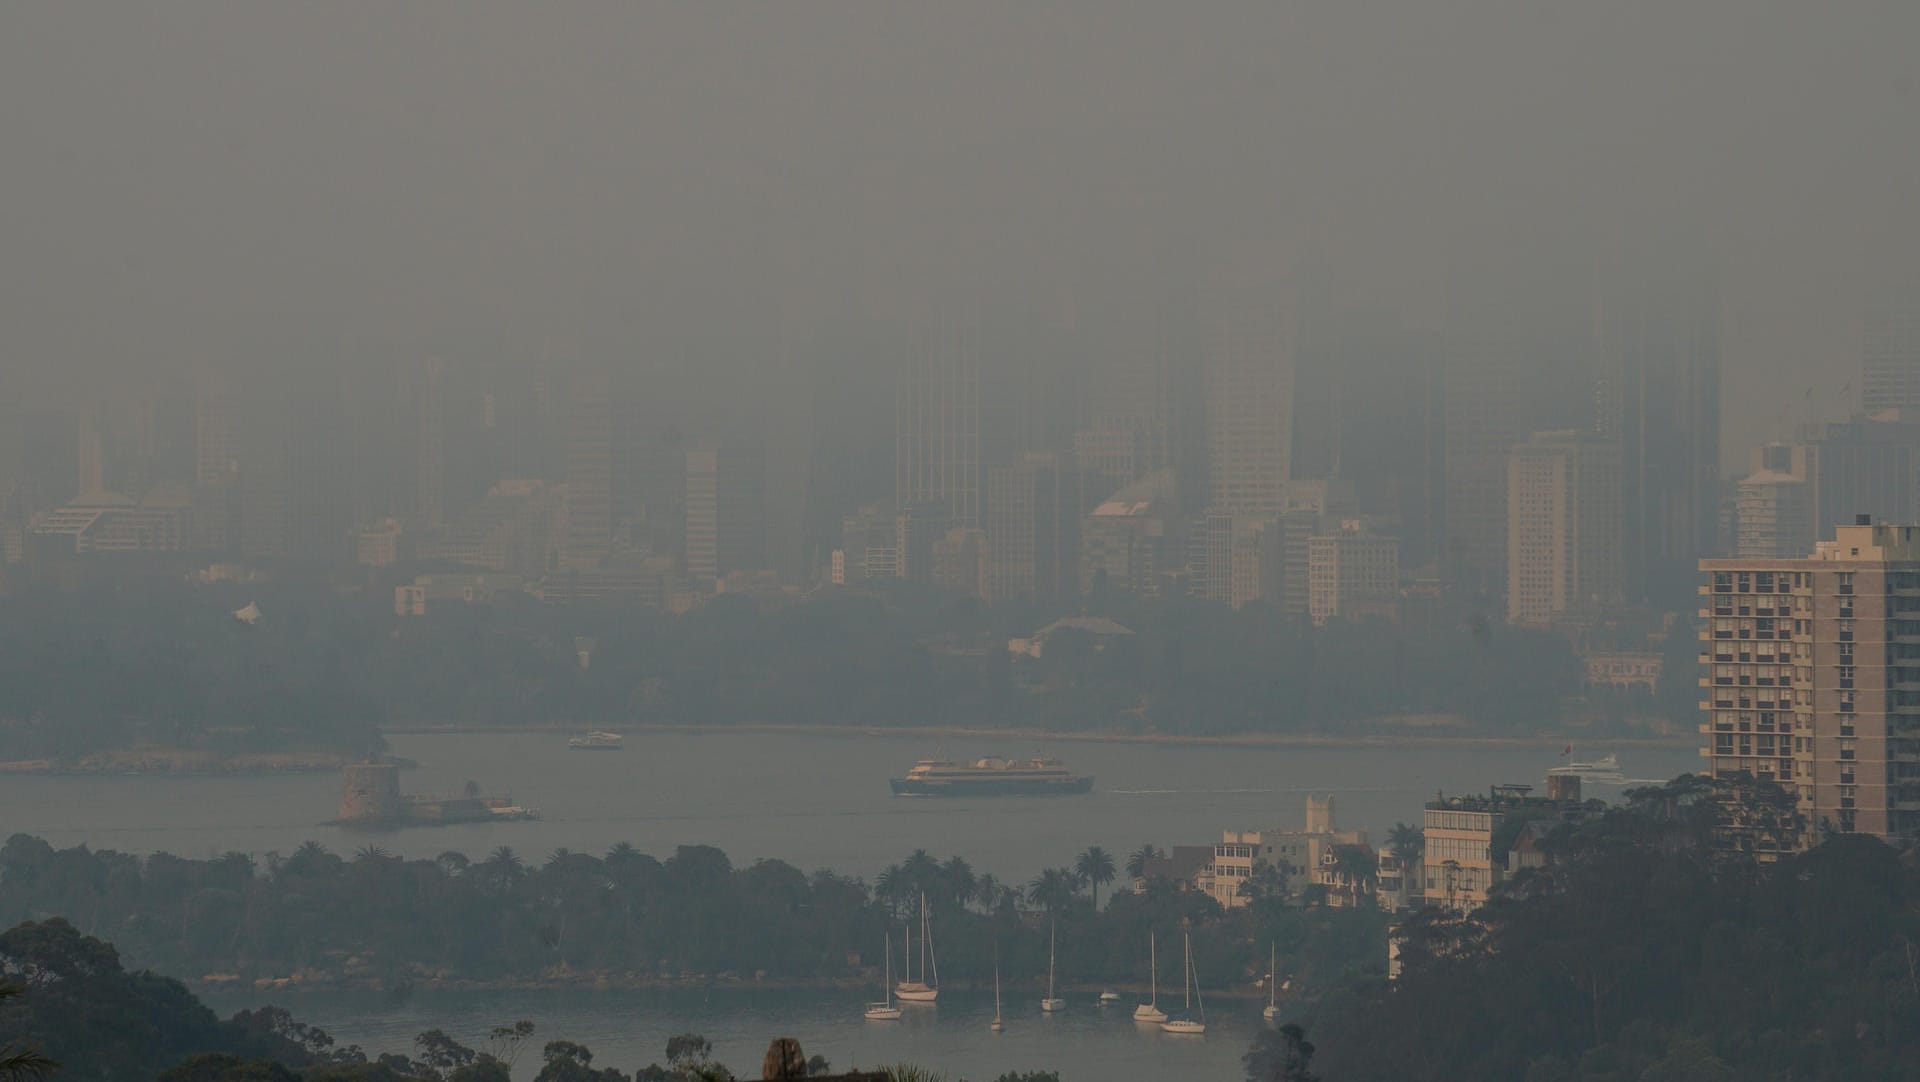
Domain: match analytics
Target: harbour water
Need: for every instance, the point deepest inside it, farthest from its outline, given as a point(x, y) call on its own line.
point(813, 801)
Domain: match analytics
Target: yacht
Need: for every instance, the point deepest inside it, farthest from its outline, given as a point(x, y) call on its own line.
point(1187, 1023)
point(1108, 999)
point(885, 1011)
point(1150, 1010)
point(597, 741)
point(1273, 983)
point(910, 990)
point(1052, 1003)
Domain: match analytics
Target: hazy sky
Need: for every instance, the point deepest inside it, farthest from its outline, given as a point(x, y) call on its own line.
point(709, 180)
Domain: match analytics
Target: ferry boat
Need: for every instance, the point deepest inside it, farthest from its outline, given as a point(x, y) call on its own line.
point(597, 741)
point(991, 776)
point(1603, 771)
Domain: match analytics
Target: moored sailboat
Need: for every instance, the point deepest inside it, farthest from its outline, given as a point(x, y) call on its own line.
point(1187, 1023)
point(996, 1025)
point(885, 1011)
point(1273, 983)
point(1150, 1010)
point(1052, 1003)
point(920, 991)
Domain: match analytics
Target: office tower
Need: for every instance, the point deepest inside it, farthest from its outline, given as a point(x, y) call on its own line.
point(1805, 659)
point(1484, 415)
point(515, 527)
point(1773, 506)
point(1125, 539)
point(959, 561)
point(216, 457)
point(941, 450)
point(1352, 574)
point(588, 537)
point(1859, 467)
point(726, 512)
point(430, 444)
point(869, 547)
point(1247, 379)
point(1131, 431)
point(263, 492)
point(915, 530)
point(1564, 525)
point(1033, 522)
point(1890, 348)
point(1657, 393)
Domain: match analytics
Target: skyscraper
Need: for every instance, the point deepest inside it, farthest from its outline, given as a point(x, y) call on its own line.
point(1657, 393)
point(1564, 525)
point(1890, 347)
point(1484, 410)
point(430, 446)
point(726, 512)
point(1247, 382)
point(1033, 521)
point(588, 537)
point(940, 436)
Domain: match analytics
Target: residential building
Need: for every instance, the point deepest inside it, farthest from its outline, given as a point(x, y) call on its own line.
point(1774, 512)
point(1352, 574)
point(517, 526)
point(1460, 865)
point(1125, 539)
point(959, 561)
point(1809, 670)
point(869, 547)
point(108, 522)
point(378, 544)
point(1564, 526)
point(1303, 852)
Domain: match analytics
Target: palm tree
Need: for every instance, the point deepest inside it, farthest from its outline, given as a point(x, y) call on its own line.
point(986, 891)
point(371, 854)
point(1137, 863)
point(20, 1062)
point(957, 882)
point(920, 870)
point(1095, 866)
point(1052, 890)
point(888, 886)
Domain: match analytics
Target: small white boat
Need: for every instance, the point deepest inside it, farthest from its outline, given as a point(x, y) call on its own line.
point(885, 1011)
point(597, 741)
point(996, 1025)
point(1108, 999)
point(1273, 983)
point(1052, 1003)
point(1150, 1011)
point(1602, 771)
point(910, 990)
point(1187, 1024)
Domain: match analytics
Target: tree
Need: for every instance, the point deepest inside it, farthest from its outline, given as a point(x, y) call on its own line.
point(1406, 842)
point(1052, 890)
point(20, 1061)
point(1095, 867)
point(1137, 863)
point(1281, 1055)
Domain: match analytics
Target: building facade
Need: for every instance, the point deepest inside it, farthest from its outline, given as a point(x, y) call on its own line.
point(1812, 677)
point(726, 512)
point(1352, 574)
point(1564, 528)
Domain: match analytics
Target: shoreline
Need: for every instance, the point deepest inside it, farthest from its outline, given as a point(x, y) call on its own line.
point(602, 982)
point(1077, 736)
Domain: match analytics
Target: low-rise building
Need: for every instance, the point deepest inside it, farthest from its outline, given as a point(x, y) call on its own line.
point(1470, 839)
point(1301, 854)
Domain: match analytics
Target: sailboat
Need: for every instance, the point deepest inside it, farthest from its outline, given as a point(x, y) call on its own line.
point(910, 990)
point(1187, 1023)
point(996, 1025)
point(1273, 983)
point(1052, 1003)
point(885, 1011)
point(1150, 1010)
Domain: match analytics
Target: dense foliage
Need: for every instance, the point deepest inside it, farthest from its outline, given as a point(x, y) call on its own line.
point(629, 916)
point(164, 661)
point(1647, 953)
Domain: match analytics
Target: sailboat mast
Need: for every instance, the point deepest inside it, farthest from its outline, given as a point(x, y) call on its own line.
point(1050, 930)
point(923, 937)
point(1153, 971)
point(1273, 959)
point(1187, 977)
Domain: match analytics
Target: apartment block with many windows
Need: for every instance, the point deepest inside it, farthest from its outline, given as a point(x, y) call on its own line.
point(1811, 671)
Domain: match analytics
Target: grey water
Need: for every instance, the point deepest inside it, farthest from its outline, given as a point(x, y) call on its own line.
point(816, 802)
point(813, 801)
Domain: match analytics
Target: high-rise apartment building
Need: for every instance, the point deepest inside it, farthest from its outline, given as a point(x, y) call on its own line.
point(1773, 516)
point(1809, 669)
point(1033, 523)
point(1890, 348)
point(1564, 525)
point(726, 512)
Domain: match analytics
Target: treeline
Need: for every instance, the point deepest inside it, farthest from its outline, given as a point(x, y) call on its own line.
point(629, 916)
point(166, 662)
point(1647, 953)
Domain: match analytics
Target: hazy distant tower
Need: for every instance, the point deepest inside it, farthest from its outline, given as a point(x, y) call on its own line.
point(430, 432)
point(1248, 390)
point(1890, 348)
point(1564, 525)
point(589, 508)
point(940, 439)
point(726, 512)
